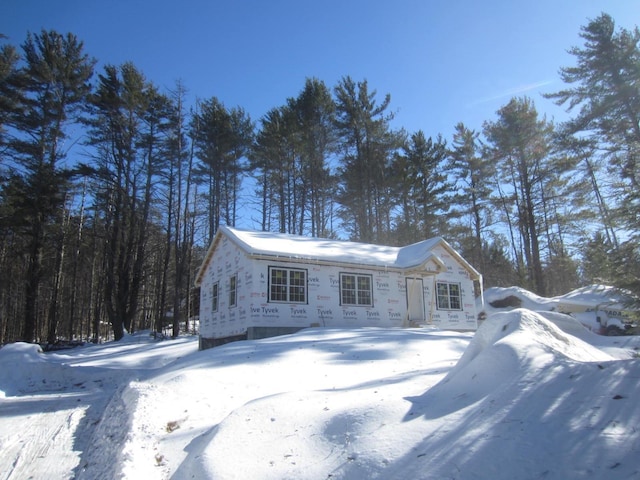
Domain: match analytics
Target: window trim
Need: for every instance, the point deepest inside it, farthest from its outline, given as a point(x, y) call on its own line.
point(449, 296)
point(288, 286)
point(356, 290)
point(233, 290)
point(215, 296)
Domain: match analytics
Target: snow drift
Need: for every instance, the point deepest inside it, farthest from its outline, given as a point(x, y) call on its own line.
point(526, 400)
point(530, 395)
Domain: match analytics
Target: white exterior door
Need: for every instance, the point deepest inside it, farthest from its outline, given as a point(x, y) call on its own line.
point(415, 300)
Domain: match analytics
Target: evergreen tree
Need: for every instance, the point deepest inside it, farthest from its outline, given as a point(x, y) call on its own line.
point(291, 155)
point(8, 63)
point(242, 138)
point(222, 137)
point(368, 146)
point(520, 145)
point(211, 130)
point(180, 206)
point(48, 90)
point(127, 124)
point(597, 266)
point(607, 91)
point(500, 271)
point(314, 111)
point(605, 88)
point(473, 179)
point(425, 191)
point(9, 328)
point(593, 183)
point(276, 155)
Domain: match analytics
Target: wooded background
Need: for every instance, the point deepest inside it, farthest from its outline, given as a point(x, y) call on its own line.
point(112, 189)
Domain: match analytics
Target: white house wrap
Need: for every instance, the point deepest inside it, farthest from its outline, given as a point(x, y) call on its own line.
point(258, 284)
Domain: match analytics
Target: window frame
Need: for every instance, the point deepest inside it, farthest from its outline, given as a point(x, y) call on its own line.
point(292, 290)
point(355, 289)
point(233, 290)
point(451, 297)
point(215, 296)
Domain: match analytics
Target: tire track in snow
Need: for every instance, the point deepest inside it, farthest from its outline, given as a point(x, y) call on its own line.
point(102, 456)
point(33, 441)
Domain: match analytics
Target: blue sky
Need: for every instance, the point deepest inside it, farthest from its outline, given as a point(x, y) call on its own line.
point(442, 61)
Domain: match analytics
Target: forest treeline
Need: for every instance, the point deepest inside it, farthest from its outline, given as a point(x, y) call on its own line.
point(112, 189)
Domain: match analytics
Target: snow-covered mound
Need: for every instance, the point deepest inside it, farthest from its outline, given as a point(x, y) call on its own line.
point(529, 335)
point(499, 298)
point(595, 295)
point(520, 398)
point(523, 386)
point(526, 400)
point(292, 406)
point(26, 369)
point(592, 296)
point(593, 306)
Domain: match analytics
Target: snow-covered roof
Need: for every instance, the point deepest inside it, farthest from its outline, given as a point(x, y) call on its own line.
point(323, 250)
point(301, 247)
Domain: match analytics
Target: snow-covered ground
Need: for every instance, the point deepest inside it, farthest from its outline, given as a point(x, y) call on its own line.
point(530, 395)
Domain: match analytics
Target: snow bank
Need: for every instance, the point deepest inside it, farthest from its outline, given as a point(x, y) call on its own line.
point(523, 386)
point(527, 400)
point(27, 370)
point(24, 368)
point(530, 334)
point(592, 296)
point(529, 395)
point(510, 345)
point(299, 406)
point(497, 298)
point(587, 305)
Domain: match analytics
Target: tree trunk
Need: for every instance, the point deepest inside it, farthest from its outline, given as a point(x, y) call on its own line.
point(34, 269)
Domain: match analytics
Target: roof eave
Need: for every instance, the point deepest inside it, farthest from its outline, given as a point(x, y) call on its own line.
point(416, 269)
point(473, 273)
point(207, 258)
point(320, 261)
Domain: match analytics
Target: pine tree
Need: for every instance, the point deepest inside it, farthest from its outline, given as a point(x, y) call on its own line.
point(276, 155)
point(126, 127)
point(425, 193)
point(8, 63)
point(49, 89)
point(291, 153)
point(605, 89)
point(369, 144)
point(9, 328)
point(180, 206)
point(473, 176)
point(314, 112)
point(520, 145)
point(222, 137)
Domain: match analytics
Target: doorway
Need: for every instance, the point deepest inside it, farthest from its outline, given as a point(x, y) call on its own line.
point(415, 300)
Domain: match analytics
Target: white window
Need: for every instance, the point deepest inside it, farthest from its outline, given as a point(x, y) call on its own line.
point(214, 297)
point(287, 285)
point(356, 289)
point(448, 296)
point(233, 283)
